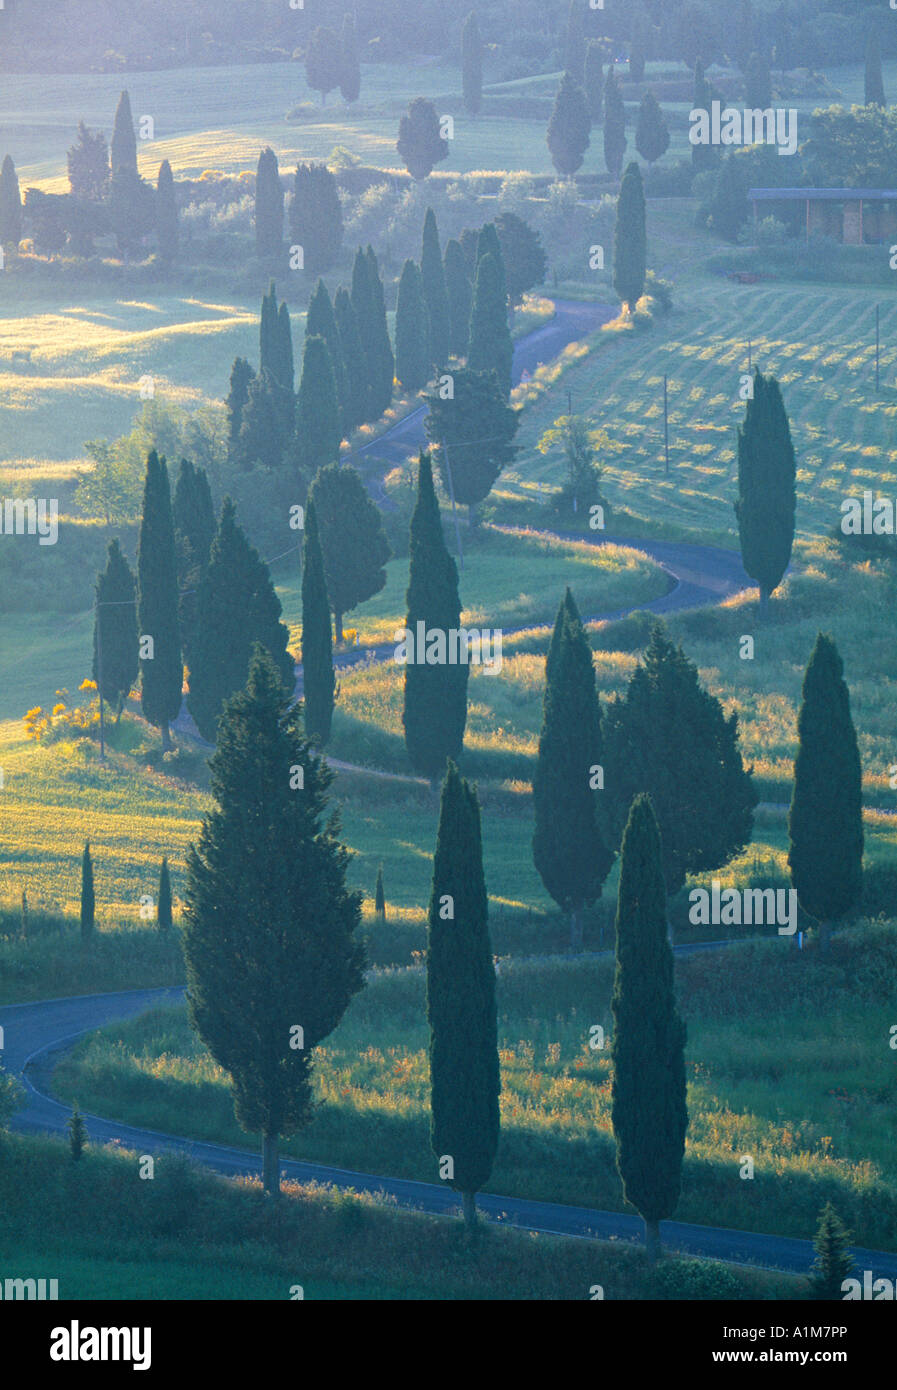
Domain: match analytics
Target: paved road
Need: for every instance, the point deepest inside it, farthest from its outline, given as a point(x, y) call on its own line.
point(36, 1034)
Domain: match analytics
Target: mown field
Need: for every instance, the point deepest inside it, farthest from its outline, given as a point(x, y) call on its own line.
point(788, 1061)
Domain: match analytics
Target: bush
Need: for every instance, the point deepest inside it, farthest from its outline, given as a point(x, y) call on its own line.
point(694, 1280)
point(880, 890)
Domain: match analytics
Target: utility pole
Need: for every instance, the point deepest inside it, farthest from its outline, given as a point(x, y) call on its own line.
point(100, 680)
point(666, 426)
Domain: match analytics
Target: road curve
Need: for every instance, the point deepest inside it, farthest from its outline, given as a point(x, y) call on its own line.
point(36, 1034)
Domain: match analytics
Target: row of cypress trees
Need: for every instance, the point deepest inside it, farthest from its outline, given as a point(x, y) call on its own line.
point(315, 214)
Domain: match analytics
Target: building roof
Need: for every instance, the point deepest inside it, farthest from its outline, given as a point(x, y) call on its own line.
point(818, 195)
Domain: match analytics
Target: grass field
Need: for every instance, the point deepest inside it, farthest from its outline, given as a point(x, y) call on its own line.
point(188, 1234)
point(787, 1060)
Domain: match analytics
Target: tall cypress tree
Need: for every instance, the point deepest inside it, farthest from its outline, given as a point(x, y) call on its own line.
point(10, 206)
point(318, 432)
point(703, 156)
point(237, 608)
point(241, 377)
point(432, 273)
point(353, 541)
point(569, 127)
point(194, 530)
point(320, 322)
point(767, 487)
point(648, 1050)
point(88, 897)
point(459, 293)
point(465, 1077)
point(670, 738)
point(575, 43)
point(266, 423)
point(489, 243)
point(268, 207)
point(363, 307)
point(491, 346)
point(354, 363)
point(593, 81)
point(652, 135)
point(115, 629)
point(316, 217)
point(164, 918)
point(269, 334)
point(413, 355)
point(269, 931)
point(434, 712)
point(825, 825)
point(568, 847)
point(614, 125)
point(161, 667)
point(630, 239)
point(350, 67)
point(378, 346)
point(874, 82)
point(286, 373)
point(166, 214)
point(472, 64)
point(318, 679)
point(123, 149)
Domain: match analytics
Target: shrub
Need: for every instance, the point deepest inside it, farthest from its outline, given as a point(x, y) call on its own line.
point(694, 1280)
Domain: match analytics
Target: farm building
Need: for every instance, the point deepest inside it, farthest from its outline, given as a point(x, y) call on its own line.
point(853, 216)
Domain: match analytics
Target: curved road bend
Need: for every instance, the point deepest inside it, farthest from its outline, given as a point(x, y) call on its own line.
point(35, 1035)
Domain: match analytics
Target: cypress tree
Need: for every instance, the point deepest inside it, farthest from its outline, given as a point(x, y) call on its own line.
point(825, 825)
point(318, 679)
point(465, 1077)
point(354, 363)
point(10, 207)
point(88, 165)
point(161, 668)
point(241, 378)
point(263, 431)
point(420, 142)
point(472, 64)
point(491, 346)
point(316, 217)
point(324, 61)
point(268, 207)
point(474, 429)
point(459, 292)
point(670, 738)
point(88, 898)
point(568, 128)
point(318, 432)
point(413, 355)
point(269, 931)
point(123, 150)
point(166, 214)
point(703, 156)
point(434, 712)
point(489, 243)
point(593, 81)
point(320, 322)
point(115, 630)
point(350, 67)
point(77, 1133)
point(767, 498)
point(194, 530)
point(380, 896)
point(363, 308)
point(874, 82)
point(757, 82)
point(630, 240)
point(164, 918)
point(237, 609)
point(648, 1050)
point(269, 334)
point(575, 43)
point(378, 346)
point(834, 1262)
point(729, 208)
point(353, 541)
point(568, 848)
point(614, 125)
point(523, 253)
point(435, 293)
point(652, 136)
point(286, 372)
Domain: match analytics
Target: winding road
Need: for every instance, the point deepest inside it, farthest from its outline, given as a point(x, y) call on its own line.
point(36, 1034)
